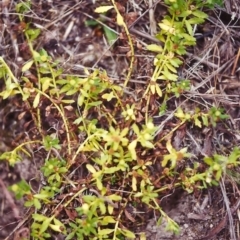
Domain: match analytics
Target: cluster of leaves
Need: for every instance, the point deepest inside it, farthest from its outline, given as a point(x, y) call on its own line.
point(176, 34)
point(115, 145)
point(199, 118)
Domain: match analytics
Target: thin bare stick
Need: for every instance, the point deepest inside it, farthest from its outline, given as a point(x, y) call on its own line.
point(235, 63)
point(124, 25)
point(153, 24)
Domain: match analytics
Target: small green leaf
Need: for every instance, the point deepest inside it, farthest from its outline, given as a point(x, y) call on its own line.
point(190, 40)
point(94, 104)
point(71, 235)
point(99, 184)
point(71, 92)
point(135, 129)
point(111, 35)
point(36, 100)
point(38, 217)
point(46, 84)
point(129, 234)
point(36, 203)
point(147, 144)
point(108, 96)
point(134, 184)
point(56, 228)
point(45, 225)
point(58, 223)
point(103, 9)
point(158, 90)
point(172, 226)
point(197, 122)
point(27, 66)
point(102, 208)
point(195, 20)
point(68, 101)
point(110, 209)
point(80, 100)
point(189, 27)
point(41, 196)
point(139, 194)
point(28, 203)
point(23, 7)
point(167, 28)
point(115, 197)
point(107, 231)
point(208, 161)
point(90, 168)
point(33, 33)
point(185, 13)
point(132, 149)
point(154, 48)
point(199, 14)
point(205, 120)
point(171, 68)
point(36, 55)
point(120, 20)
point(169, 76)
point(109, 219)
point(111, 170)
point(91, 23)
point(175, 62)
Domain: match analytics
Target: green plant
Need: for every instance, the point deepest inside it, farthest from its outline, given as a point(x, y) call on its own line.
point(108, 32)
point(176, 34)
point(219, 164)
point(42, 223)
point(200, 118)
point(103, 132)
point(178, 87)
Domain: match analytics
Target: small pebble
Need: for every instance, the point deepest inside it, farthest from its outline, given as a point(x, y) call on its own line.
point(185, 225)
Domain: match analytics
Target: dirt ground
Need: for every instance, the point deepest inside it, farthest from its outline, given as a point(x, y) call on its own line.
point(66, 36)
